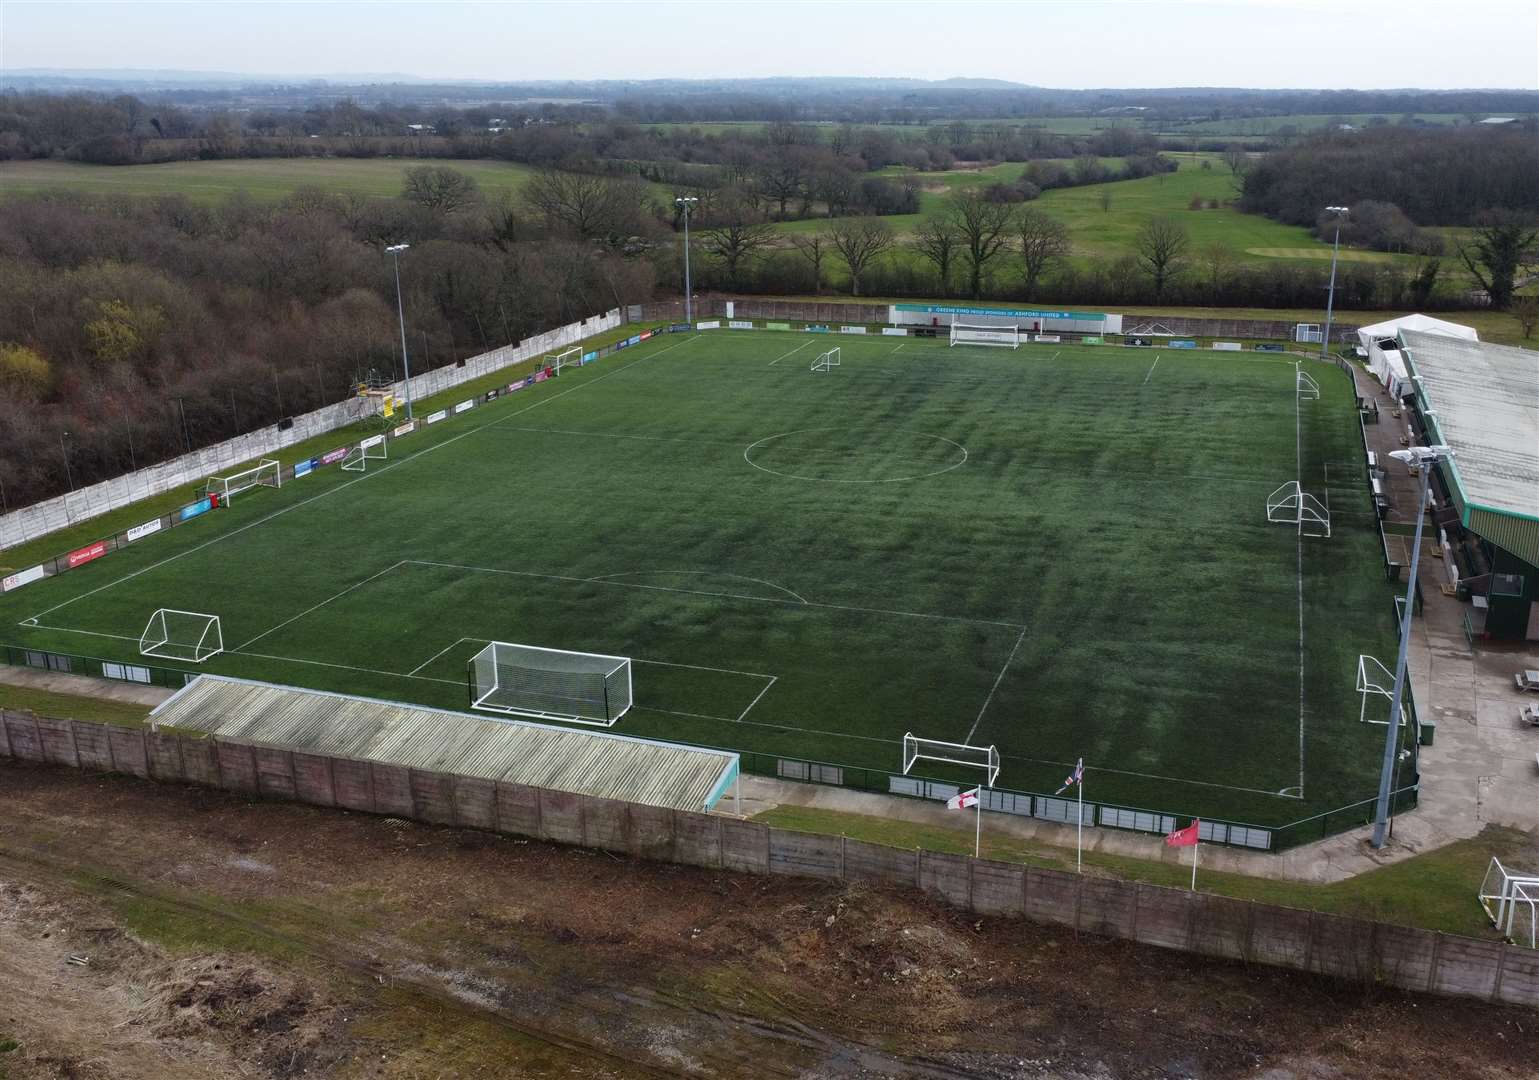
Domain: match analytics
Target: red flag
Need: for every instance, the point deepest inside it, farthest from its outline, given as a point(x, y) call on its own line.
point(1183, 837)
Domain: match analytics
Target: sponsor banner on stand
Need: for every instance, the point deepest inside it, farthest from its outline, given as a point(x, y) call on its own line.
point(409, 427)
point(331, 457)
point(21, 577)
point(1227, 346)
point(1049, 339)
point(1092, 341)
point(149, 528)
point(433, 418)
point(740, 324)
point(372, 440)
point(1268, 347)
point(713, 324)
point(894, 331)
point(817, 329)
point(1001, 313)
point(590, 357)
point(634, 339)
point(852, 329)
point(645, 334)
point(1180, 343)
point(491, 395)
point(680, 328)
point(304, 468)
point(777, 326)
point(541, 375)
point(462, 406)
point(202, 506)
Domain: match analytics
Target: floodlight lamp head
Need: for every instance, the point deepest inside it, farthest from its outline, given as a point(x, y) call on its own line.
point(1422, 455)
point(686, 199)
point(1335, 209)
point(396, 249)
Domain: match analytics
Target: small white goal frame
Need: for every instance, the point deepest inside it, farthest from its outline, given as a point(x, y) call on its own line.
point(564, 359)
point(1004, 337)
point(1292, 505)
point(203, 638)
point(371, 449)
point(265, 473)
point(952, 753)
point(485, 680)
point(1308, 389)
point(1375, 680)
point(826, 361)
point(1503, 895)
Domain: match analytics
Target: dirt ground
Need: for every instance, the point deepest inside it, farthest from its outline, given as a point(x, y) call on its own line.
point(153, 931)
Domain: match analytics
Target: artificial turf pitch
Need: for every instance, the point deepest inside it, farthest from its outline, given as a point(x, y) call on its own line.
point(1062, 550)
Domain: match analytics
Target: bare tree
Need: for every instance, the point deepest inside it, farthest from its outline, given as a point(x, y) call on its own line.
point(737, 238)
point(439, 188)
point(1044, 241)
point(984, 226)
point(1237, 158)
point(1497, 254)
point(1161, 248)
point(1217, 260)
point(1104, 197)
point(860, 241)
point(814, 247)
point(583, 205)
point(937, 240)
point(1526, 310)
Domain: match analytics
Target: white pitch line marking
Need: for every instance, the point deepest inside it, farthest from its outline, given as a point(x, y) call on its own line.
point(1151, 369)
point(350, 667)
point(323, 603)
point(997, 680)
point(793, 352)
point(755, 701)
point(704, 573)
point(440, 652)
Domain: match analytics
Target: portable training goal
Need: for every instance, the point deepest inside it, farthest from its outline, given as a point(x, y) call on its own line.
point(1007, 337)
point(978, 757)
point(550, 684)
point(1309, 390)
point(190, 636)
point(1375, 680)
point(1511, 902)
point(1292, 505)
point(564, 359)
point(826, 361)
point(371, 449)
point(265, 473)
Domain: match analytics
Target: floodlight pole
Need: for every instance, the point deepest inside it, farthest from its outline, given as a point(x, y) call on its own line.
point(1330, 297)
point(1424, 458)
point(686, 202)
point(394, 251)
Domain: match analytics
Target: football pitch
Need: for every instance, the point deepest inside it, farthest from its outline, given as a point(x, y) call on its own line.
point(1061, 550)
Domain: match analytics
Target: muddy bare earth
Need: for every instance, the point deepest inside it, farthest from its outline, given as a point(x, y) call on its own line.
point(153, 931)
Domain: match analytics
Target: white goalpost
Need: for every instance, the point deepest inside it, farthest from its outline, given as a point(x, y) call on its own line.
point(984, 758)
point(1511, 902)
point(371, 449)
point(1007, 337)
point(564, 359)
point(1292, 505)
point(1375, 680)
point(826, 361)
point(265, 473)
point(550, 684)
point(189, 636)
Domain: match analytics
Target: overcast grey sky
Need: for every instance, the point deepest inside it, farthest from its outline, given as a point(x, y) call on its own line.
point(1260, 43)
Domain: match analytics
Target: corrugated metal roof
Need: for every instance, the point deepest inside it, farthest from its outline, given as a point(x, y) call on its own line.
point(1483, 401)
point(538, 755)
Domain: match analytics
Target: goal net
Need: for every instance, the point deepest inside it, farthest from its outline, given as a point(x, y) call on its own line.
point(190, 636)
point(371, 449)
point(826, 361)
point(1292, 505)
point(550, 684)
point(265, 473)
point(978, 757)
point(1008, 337)
point(566, 358)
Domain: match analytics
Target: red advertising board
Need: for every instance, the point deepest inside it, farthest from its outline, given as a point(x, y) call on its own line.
point(335, 455)
point(86, 554)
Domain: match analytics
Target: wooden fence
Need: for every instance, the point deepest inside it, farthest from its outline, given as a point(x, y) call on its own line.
point(1359, 950)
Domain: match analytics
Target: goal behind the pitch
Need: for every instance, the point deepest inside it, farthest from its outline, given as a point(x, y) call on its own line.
point(826, 361)
point(550, 684)
point(564, 359)
point(1008, 337)
point(265, 473)
point(190, 636)
point(371, 449)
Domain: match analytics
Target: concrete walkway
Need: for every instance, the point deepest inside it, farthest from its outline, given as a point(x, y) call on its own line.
point(57, 682)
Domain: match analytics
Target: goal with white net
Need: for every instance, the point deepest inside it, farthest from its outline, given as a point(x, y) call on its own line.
point(371, 449)
point(566, 358)
point(265, 473)
point(977, 757)
point(550, 684)
point(826, 361)
point(1007, 337)
point(190, 636)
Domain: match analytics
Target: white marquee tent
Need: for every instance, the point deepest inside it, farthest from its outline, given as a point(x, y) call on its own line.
point(1384, 358)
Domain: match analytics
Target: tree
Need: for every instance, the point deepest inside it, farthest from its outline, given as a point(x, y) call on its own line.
point(738, 238)
point(1524, 308)
point(121, 334)
point(859, 241)
point(983, 226)
point(814, 247)
point(1425, 283)
point(584, 205)
point(1161, 249)
point(1104, 197)
point(937, 240)
point(1044, 241)
point(1499, 249)
point(1217, 261)
point(439, 188)
point(1237, 158)
point(24, 372)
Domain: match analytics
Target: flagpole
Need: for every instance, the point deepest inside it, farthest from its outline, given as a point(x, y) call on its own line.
point(978, 835)
point(1195, 846)
point(1079, 835)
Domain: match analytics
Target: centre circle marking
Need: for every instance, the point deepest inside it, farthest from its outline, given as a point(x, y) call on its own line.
point(749, 449)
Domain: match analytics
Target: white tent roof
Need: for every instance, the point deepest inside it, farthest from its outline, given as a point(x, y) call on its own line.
point(1424, 324)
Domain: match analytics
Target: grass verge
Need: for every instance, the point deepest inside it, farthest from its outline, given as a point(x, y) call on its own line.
point(72, 706)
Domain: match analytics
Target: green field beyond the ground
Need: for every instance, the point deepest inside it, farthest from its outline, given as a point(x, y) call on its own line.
point(1060, 550)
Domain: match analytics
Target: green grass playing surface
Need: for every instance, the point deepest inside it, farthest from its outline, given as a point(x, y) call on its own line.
point(1062, 550)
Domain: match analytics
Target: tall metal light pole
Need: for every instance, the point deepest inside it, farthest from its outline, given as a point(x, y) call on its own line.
point(400, 309)
point(1423, 458)
point(687, 202)
point(64, 453)
point(1330, 299)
